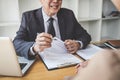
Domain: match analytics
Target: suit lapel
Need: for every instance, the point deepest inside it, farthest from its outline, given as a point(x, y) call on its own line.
point(61, 23)
point(61, 26)
point(40, 20)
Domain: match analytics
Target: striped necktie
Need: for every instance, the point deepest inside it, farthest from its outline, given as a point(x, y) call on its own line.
point(51, 29)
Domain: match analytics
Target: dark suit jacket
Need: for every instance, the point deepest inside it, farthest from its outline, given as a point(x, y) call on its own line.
point(32, 23)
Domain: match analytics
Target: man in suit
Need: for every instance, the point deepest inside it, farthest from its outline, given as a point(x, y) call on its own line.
point(104, 65)
point(28, 43)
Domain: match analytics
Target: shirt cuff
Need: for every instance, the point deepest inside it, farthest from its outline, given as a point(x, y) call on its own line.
point(31, 51)
point(81, 44)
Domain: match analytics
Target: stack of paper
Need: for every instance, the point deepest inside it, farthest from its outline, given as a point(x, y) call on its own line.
point(57, 56)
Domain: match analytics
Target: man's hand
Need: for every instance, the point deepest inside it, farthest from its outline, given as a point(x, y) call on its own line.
point(43, 40)
point(72, 46)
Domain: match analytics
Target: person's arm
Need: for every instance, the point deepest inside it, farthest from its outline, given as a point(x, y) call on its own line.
point(117, 4)
point(22, 42)
point(80, 33)
point(80, 37)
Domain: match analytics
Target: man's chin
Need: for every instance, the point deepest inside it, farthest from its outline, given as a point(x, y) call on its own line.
point(54, 11)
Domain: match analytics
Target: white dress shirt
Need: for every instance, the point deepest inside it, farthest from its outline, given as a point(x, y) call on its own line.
point(55, 23)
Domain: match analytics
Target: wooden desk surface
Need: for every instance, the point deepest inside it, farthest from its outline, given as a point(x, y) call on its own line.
point(39, 72)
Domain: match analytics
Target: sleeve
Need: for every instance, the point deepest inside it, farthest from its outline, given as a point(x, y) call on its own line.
point(21, 42)
point(80, 33)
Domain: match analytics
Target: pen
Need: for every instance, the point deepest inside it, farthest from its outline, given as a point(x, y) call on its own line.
point(52, 38)
point(110, 46)
point(37, 54)
point(38, 33)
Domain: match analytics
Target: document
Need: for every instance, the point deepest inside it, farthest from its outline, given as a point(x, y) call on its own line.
point(57, 56)
point(89, 51)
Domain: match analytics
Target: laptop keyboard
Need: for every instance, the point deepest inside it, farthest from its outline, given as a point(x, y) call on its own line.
point(22, 65)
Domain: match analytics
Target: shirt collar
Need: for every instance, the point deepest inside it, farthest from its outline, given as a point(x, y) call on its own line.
point(46, 17)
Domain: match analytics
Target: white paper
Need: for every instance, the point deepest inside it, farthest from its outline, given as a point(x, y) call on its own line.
point(57, 45)
point(89, 51)
point(57, 56)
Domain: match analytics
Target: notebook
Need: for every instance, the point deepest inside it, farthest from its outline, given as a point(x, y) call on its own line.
point(113, 44)
point(57, 57)
point(10, 63)
point(89, 51)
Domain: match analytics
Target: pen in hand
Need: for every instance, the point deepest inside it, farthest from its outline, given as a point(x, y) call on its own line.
point(43, 40)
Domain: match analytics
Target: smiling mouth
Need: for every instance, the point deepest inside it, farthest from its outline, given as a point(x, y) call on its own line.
point(54, 6)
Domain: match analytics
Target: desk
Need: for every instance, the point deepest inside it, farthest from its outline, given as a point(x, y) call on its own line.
point(39, 72)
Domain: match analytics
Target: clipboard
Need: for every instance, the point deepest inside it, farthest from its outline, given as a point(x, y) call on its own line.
point(54, 61)
point(57, 57)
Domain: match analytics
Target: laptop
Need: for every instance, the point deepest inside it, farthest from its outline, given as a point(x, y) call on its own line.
point(10, 63)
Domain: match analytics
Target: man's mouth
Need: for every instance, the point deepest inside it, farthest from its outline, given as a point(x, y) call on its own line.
point(54, 6)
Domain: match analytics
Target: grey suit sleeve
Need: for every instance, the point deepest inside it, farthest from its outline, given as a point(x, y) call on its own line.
point(22, 43)
point(80, 33)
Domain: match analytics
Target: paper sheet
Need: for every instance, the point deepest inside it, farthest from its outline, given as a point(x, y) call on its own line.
point(57, 56)
point(89, 51)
